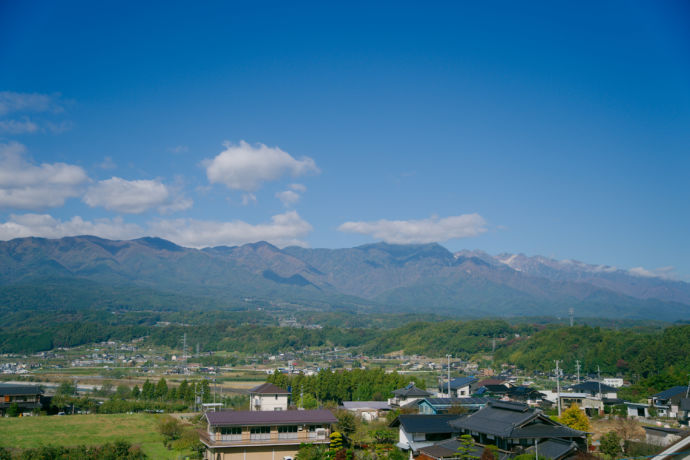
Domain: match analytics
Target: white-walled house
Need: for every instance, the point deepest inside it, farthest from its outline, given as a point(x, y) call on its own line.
point(268, 397)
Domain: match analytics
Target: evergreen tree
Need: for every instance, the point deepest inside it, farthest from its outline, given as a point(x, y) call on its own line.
point(136, 393)
point(466, 448)
point(161, 389)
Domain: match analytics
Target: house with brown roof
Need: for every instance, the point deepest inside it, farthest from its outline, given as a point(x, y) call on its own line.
point(268, 397)
point(264, 435)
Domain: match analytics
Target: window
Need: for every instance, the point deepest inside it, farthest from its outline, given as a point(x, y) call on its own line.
point(230, 430)
point(287, 429)
point(260, 429)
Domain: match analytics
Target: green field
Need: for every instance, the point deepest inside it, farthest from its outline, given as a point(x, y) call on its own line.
point(74, 430)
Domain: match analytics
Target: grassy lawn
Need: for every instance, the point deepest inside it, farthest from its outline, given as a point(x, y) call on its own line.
point(73, 430)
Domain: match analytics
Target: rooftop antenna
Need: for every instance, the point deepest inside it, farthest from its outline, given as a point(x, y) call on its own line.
point(558, 388)
point(577, 366)
point(571, 312)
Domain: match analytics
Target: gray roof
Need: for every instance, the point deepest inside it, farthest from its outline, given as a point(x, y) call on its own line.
point(671, 392)
point(503, 419)
point(542, 430)
point(269, 389)
point(281, 417)
point(449, 449)
point(422, 423)
point(12, 389)
point(371, 405)
point(411, 390)
point(662, 429)
point(555, 448)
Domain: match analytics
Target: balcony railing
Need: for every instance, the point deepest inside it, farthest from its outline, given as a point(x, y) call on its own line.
point(262, 438)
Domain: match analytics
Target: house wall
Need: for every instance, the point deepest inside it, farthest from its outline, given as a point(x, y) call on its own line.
point(269, 402)
point(463, 392)
point(662, 440)
point(404, 437)
point(252, 453)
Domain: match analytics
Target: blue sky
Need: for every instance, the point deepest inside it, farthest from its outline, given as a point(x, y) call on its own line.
point(560, 130)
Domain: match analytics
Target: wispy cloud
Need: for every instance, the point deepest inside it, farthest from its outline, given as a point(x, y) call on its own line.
point(22, 126)
point(179, 149)
point(429, 230)
point(245, 167)
point(13, 102)
point(662, 272)
point(24, 185)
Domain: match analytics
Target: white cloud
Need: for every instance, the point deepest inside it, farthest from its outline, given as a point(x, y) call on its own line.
point(429, 230)
point(291, 196)
point(22, 126)
point(24, 185)
point(288, 197)
point(29, 102)
point(134, 197)
point(246, 167)
point(107, 163)
point(283, 229)
point(248, 198)
point(46, 226)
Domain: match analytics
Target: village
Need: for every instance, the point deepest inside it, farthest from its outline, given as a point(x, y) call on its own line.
point(256, 406)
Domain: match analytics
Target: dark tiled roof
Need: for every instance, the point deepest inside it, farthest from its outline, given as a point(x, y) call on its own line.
point(555, 448)
point(493, 381)
point(498, 418)
point(268, 389)
point(542, 430)
point(281, 417)
point(411, 390)
point(662, 429)
point(523, 391)
point(455, 401)
point(592, 387)
point(498, 389)
point(12, 389)
point(457, 383)
point(449, 449)
point(419, 423)
point(671, 392)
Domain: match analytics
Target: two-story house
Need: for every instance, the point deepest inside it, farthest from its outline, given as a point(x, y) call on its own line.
point(460, 387)
point(268, 397)
point(434, 406)
point(263, 435)
point(408, 395)
point(667, 402)
point(27, 397)
point(513, 427)
point(421, 430)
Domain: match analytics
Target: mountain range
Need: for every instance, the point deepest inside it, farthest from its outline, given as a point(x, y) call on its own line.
point(155, 273)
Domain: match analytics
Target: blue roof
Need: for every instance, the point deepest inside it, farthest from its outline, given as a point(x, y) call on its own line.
point(457, 383)
point(671, 392)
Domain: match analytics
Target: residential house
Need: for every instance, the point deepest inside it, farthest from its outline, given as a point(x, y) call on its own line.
point(526, 395)
point(447, 450)
point(434, 406)
point(460, 387)
point(684, 411)
point(555, 449)
point(263, 435)
point(368, 410)
point(421, 430)
point(595, 389)
point(407, 395)
point(613, 382)
point(637, 410)
point(27, 397)
point(589, 404)
point(514, 427)
point(268, 397)
point(667, 402)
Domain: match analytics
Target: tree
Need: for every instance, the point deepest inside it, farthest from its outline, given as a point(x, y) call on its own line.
point(347, 423)
point(136, 393)
point(611, 444)
point(490, 452)
point(311, 452)
point(13, 410)
point(336, 441)
point(574, 418)
point(466, 448)
point(161, 390)
point(383, 436)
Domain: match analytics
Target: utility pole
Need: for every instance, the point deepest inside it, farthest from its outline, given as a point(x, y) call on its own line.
point(571, 312)
point(493, 345)
point(577, 366)
point(599, 378)
point(448, 356)
point(184, 346)
point(536, 449)
point(558, 388)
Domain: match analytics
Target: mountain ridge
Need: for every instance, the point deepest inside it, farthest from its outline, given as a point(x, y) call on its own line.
point(373, 277)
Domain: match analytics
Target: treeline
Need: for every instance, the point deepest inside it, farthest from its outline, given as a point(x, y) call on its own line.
point(652, 360)
point(338, 386)
point(119, 450)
